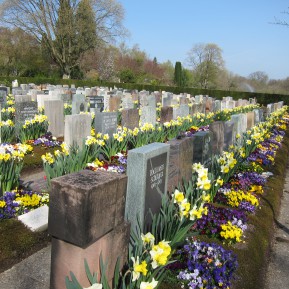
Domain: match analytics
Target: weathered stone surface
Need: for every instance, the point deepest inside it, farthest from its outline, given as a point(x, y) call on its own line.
point(217, 129)
point(54, 110)
point(77, 129)
point(147, 171)
point(78, 202)
point(202, 147)
point(166, 114)
point(66, 257)
point(106, 122)
point(130, 118)
point(36, 220)
point(25, 111)
point(180, 162)
point(250, 119)
point(229, 134)
point(114, 103)
point(148, 115)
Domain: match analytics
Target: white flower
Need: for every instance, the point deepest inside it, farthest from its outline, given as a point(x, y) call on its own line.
point(148, 285)
point(95, 286)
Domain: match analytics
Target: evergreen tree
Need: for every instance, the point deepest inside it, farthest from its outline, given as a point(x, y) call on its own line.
point(178, 75)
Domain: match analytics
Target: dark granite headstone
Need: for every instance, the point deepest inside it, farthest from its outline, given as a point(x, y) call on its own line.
point(202, 143)
point(147, 171)
point(25, 111)
point(217, 129)
point(180, 162)
point(106, 122)
point(97, 102)
point(130, 118)
point(3, 94)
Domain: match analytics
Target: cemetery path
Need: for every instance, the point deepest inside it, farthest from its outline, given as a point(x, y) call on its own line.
point(277, 274)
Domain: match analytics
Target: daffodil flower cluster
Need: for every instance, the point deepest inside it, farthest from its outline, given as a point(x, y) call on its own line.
point(203, 181)
point(227, 162)
point(185, 210)
point(154, 256)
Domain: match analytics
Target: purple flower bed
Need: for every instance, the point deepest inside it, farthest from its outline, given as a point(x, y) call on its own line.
point(208, 265)
point(210, 224)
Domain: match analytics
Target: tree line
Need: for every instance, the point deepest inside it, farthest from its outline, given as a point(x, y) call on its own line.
point(76, 39)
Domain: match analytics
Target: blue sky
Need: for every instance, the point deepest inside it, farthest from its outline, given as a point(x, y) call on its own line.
point(168, 29)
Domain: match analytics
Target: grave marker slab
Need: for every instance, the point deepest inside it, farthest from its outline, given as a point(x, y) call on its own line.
point(166, 114)
point(54, 110)
point(25, 111)
point(106, 122)
point(180, 162)
point(202, 147)
point(217, 129)
point(130, 118)
point(148, 115)
point(77, 128)
point(147, 171)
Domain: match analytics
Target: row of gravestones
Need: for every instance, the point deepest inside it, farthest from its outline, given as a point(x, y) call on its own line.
point(102, 207)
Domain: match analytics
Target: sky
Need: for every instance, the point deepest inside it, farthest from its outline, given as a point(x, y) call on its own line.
point(168, 30)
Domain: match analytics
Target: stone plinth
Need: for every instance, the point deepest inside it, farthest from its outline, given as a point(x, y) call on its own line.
point(84, 206)
point(66, 257)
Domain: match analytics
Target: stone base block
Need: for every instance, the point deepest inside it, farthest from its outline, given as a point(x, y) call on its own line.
point(66, 258)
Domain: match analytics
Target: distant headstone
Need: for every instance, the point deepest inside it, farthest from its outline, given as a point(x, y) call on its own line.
point(250, 119)
point(148, 115)
point(106, 122)
point(127, 102)
point(130, 118)
point(114, 103)
point(77, 128)
point(54, 110)
point(243, 122)
point(79, 104)
point(3, 94)
point(23, 98)
point(97, 102)
point(25, 111)
point(256, 116)
point(147, 171)
point(166, 114)
point(216, 105)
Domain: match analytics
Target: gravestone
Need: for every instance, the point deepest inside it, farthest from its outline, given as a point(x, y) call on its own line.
point(256, 116)
point(166, 114)
point(130, 118)
point(148, 115)
point(243, 122)
point(217, 129)
point(77, 203)
point(114, 103)
point(0, 121)
point(25, 111)
point(167, 99)
point(202, 147)
point(97, 102)
point(54, 110)
point(77, 129)
point(147, 171)
point(3, 94)
point(127, 102)
point(237, 129)
point(250, 119)
point(79, 103)
point(229, 134)
point(216, 105)
point(106, 122)
point(23, 98)
point(180, 162)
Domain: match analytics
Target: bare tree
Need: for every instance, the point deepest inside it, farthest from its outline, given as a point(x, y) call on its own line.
point(58, 25)
point(206, 60)
point(282, 22)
